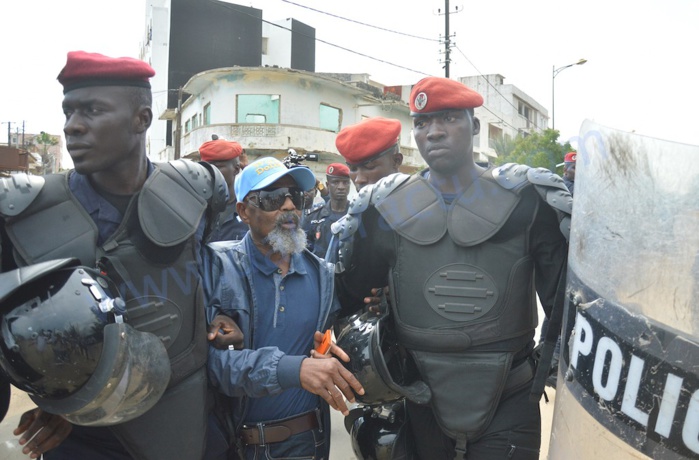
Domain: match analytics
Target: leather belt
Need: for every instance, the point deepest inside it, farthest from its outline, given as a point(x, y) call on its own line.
point(263, 433)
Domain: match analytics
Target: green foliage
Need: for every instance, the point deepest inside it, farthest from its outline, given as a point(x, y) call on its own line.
point(539, 149)
point(45, 140)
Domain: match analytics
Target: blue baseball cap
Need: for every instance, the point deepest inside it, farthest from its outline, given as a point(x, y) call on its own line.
point(265, 171)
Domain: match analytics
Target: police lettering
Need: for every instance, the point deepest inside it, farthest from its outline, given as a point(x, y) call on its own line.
point(640, 373)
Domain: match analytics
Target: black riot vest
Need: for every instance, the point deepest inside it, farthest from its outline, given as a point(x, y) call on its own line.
point(462, 277)
point(151, 256)
point(462, 284)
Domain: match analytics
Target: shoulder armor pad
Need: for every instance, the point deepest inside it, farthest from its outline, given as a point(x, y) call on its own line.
point(17, 192)
point(206, 181)
point(551, 188)
point(511, 175)
point(553, 191)
point(219, 188)
point(345, 227)
point(368, 196)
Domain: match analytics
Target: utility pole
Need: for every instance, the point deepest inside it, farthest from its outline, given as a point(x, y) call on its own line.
point(447, 37)
point(9, 132)
point(178, 124)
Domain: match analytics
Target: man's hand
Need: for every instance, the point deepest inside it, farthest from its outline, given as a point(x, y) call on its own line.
point(41, 431)
point(224, 333)
point(334, 349)
point(329, 379)
point(374, 303)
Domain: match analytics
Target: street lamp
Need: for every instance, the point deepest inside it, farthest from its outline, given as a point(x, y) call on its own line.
point(556, 71)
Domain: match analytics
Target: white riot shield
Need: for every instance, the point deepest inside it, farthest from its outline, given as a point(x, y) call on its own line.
point(628, 383)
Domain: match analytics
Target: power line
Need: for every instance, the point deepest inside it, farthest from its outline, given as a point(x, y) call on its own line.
point(497, 91)
point(232, 6)
point(361, 23)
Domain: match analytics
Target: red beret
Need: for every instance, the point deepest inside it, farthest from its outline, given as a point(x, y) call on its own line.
point(220, 150)
point(368, 138)
point(93, 69)
point(337, 170)
point(570, 157)
point(436, 94)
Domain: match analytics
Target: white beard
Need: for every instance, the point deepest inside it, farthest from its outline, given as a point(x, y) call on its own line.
point(284, 241)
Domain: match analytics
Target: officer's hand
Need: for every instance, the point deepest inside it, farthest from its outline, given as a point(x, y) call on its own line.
point(334, 349)
point(329, 379)
point(41, 431)
point(373, 303)
point(224, 332)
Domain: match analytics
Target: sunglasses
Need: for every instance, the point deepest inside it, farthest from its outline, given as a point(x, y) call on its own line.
point(273, 200)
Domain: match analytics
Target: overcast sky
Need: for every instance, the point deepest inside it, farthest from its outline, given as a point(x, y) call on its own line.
point(642, 72)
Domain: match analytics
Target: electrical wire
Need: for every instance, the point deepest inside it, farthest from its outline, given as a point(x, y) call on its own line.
point(360, 23)
point(232, 6)
point(497, 91)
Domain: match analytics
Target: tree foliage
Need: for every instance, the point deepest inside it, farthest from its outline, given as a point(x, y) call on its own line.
point(45, 140)
point(539, 149)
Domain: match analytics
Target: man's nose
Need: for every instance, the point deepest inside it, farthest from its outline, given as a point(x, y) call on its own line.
point(73, 125)
point(288, 204)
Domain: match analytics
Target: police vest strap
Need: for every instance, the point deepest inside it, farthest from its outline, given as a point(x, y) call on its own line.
point(17, 192)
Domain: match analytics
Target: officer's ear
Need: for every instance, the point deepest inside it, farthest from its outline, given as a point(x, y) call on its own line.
point(476, 126)
point(397, 160)
point(144, 118)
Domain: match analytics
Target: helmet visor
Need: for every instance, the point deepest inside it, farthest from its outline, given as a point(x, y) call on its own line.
point(131, 376)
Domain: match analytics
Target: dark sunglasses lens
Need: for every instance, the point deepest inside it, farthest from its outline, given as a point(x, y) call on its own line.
point(273, 200)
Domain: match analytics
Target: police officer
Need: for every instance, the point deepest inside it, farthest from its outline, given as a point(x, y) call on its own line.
point(139, 223)
point(225, 155)
point(317, 223)
point(460, 245)
point(370, 149)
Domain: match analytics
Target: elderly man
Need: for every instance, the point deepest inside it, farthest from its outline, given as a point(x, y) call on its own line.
point(226, 156)
point(460, 245)
point(370, 149)
point(142, 225)
point(317, 223)
point(281, 295)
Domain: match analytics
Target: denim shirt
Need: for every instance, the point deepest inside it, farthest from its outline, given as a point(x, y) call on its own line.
point(229, 289)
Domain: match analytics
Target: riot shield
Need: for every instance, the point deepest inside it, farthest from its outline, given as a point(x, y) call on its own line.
point(628, 383)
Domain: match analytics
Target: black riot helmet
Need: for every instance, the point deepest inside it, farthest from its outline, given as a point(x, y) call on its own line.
point(380, 432)
point(63, 341)
point(383, 368)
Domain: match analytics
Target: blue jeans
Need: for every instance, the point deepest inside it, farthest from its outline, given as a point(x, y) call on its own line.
point(307, 445)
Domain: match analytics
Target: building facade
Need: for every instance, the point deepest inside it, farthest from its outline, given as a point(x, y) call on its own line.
point(507, 112)
point(269, 110)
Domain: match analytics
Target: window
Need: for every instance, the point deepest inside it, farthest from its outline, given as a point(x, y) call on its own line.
point(207, 114)
point(494, 135)
point(525, 111)
point(187, 126)
point(258, 108)
point(194, 121)
point(330, 118)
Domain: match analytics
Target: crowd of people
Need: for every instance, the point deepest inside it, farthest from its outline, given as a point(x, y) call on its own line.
point(243, 279)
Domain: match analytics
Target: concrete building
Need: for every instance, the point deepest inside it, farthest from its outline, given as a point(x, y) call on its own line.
point(269, 110)
point(185, 37)
point(507, 112)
